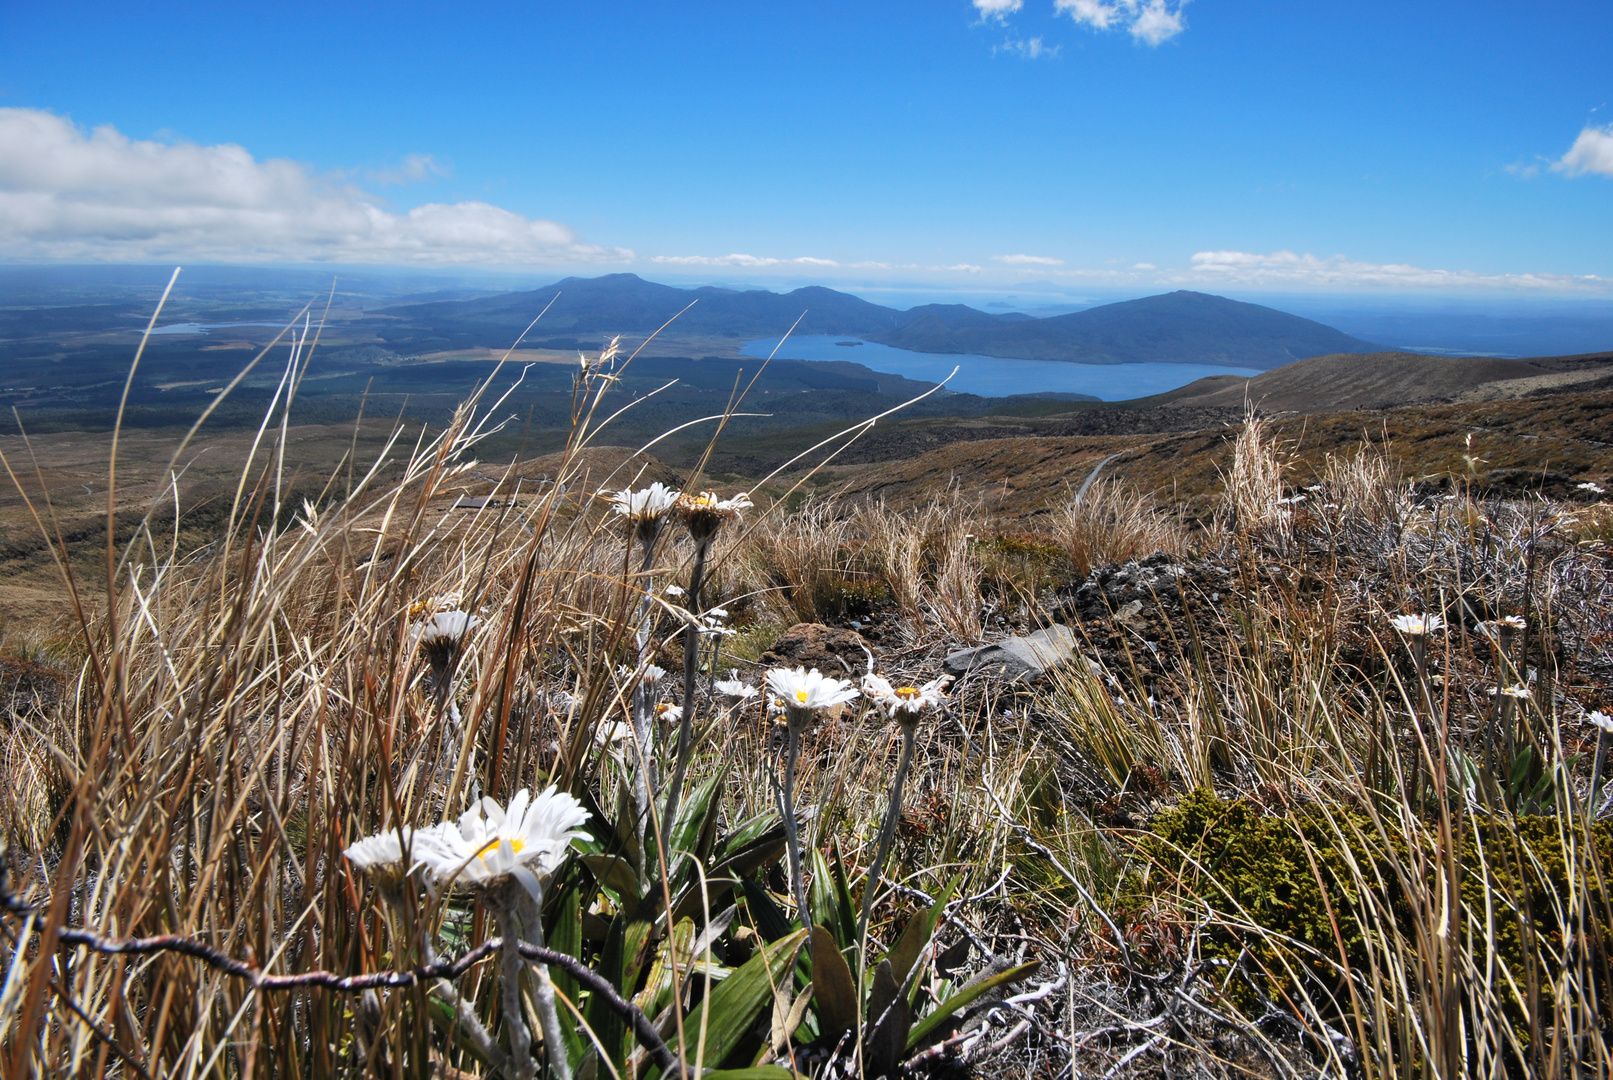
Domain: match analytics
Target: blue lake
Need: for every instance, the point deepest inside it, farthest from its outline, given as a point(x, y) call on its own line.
point(992, 376)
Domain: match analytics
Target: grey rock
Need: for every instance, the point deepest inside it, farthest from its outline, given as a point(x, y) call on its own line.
point(1016, 659)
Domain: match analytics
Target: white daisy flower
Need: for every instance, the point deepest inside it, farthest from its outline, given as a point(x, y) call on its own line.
point(676, 590)
point(647, 504)
point(607, 734)
point(704, 513)
point(1417, 625)
point(905, 702)
point(669, 713)
point(735, 687)
point(1590, 486)
point(1601, 720)
point(809, 691)
point(441, 634)
point(1516, 691)
point(1495, 629)
point(384, 850)
point(527, 840)
point(447, 626)
point(712, 623)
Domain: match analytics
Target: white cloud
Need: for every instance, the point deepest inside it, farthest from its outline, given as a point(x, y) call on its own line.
point(1144, 266)
point(65, 194)
point(1027, 260)
point(1156, 23)
point(1592, 152)
point(750, 261)
point(1032, 49)
point(412, 170)
point(1286, 268)
point(1149, 21)
point(997, 9)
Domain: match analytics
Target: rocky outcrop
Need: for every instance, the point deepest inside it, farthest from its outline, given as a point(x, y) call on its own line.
point(833, 651)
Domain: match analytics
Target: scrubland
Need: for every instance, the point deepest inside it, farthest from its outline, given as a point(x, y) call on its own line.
point(1319, 796)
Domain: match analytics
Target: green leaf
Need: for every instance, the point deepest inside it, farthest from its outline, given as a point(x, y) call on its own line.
point(619, 964)
point(754, 1072)
point(566, 936)
point(968, 995)
point(821, 896)
point(737, 1000)
point(916, 935)
point(616, 874)
point(657, 992)
point(889, 1017)
point(1520, 769)
point(442, 1014)
point(748, 832)
point(693, 813)
point(834, 995)
point(770, 919)
point(848, 913)
point(743, 860)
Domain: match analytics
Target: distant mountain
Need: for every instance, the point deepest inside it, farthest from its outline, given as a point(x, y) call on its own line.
point(626, 303)
point(1179, 327)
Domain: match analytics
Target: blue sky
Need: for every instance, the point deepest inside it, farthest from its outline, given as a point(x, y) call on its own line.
point(1082, 144)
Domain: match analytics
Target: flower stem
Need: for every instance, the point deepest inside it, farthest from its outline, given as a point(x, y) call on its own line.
point(791, 833)
point(554, 1039)
point(1596, 773)
point(887, 831)
point(691, 666)
point(510, 965)
point(644, 778)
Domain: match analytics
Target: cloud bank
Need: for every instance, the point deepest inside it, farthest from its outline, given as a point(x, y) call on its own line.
point(1592, 152)
point(750, 261)
point(1285, 268)
point(1149, 21)
point(1027, 260)
point(67, 194)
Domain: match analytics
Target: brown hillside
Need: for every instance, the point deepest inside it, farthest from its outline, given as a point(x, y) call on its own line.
point(1381, 380)
point(1547, 444)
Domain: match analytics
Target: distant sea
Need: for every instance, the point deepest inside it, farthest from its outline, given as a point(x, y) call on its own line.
point(992, 376)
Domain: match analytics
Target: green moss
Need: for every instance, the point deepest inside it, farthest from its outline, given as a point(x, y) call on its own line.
point(1290, 876)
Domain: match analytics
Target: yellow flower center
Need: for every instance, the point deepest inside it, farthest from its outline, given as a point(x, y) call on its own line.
point(801, 696)
point(907, 693)
point(515, 842)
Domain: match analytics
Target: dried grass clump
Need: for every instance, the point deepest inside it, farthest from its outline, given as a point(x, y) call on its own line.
point(1252, 497)
point(1113, 523)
